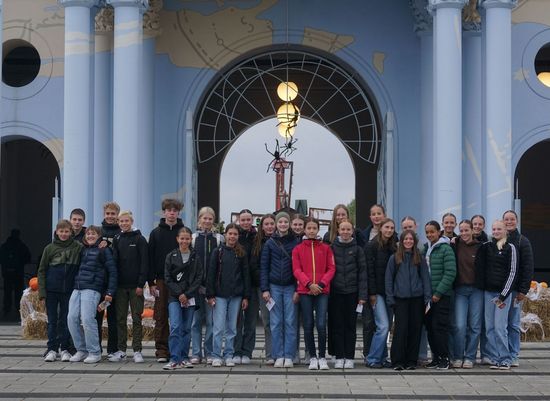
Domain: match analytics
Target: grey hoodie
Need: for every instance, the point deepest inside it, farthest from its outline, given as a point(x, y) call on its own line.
point(407, 280)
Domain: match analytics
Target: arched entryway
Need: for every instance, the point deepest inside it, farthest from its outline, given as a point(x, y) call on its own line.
point(329, 93)
point(530, 177)
point(28, 171)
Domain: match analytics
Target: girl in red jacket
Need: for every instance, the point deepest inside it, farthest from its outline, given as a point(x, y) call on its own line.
point(313, 267)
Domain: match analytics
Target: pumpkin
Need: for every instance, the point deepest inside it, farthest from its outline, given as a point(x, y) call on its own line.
point(147, 312)
point(533, 284)
point(544, 284)
point(33, 283)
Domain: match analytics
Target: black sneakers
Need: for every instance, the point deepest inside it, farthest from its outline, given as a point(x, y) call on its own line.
point(444, 364)
point(433, 364)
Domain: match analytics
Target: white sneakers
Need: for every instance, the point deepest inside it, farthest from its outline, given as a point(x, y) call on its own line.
point(323, 365)
point(117, 356)
point(216, 363)
point(65, 356)
point(237, 360)
point(289, 363)
point(313, 364)
point(93, 358)
point(230, 362)
point(245, 360)
point(339, 364)
point(349, 364)
point(138, 358)
point(51, 356)
point(279, 363)
point(78, 357)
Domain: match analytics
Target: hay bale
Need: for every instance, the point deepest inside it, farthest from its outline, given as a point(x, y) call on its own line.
point(541, 308)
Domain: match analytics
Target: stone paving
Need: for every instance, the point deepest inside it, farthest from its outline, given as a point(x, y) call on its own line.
point(25, 376)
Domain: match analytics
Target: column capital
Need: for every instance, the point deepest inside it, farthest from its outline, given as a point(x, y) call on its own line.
point(433, 5)
point(142, 4)
point(499, 3)
point(423, 21)
point(78, 3)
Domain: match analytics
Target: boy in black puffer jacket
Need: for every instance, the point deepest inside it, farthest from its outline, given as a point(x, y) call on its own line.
point(131, 256)
point(96, 264)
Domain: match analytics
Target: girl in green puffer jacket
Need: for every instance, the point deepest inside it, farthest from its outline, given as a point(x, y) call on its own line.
point(442, 263)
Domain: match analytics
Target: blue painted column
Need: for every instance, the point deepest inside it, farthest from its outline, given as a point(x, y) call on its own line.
point(77, 136)
point(127, 168)
point(447, 138)
point(103, 135)
point(472, 124)
point(147, 135)
point(498, 107)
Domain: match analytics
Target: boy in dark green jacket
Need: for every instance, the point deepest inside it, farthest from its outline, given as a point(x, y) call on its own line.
point(442, 263)
point(56, 273)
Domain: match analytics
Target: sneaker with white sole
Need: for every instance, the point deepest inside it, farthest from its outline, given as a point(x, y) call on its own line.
point(117, 356)
point(171, 366)
point(216, 363)
point(138, 358)
point(245, 360)
point(467, 364)
point(162, 359)
point(349, 364)
point(270, 361)
point(456, 364)
point(195, 360)
point(230, 362)
point(313, 364)
point(486, 361)
point(186, 364)
point(504, 366)
point(51, 356)
point(209, 360)
point(78, 357)
point(93, 358)
point(279, 363)
point(237, 360)
point(339, 364)
point(323, 365)
point(515, 363)
point(289, 363)
point(65, 356)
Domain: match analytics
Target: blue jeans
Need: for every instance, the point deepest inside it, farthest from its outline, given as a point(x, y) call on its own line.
point(514, 326)
point(83, 306)
point(383, 316)
point(423, 350)
point(319, 304)
point(203, 313)
point(468, 314)
point(180, 331)
point(57, 309)
point(283, 322)
point(496, 326)
point(226, 312)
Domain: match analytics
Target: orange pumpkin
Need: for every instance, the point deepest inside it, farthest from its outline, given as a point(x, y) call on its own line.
point(147, 313)
point(544, 284)
point(533, 284)
point(33, 283)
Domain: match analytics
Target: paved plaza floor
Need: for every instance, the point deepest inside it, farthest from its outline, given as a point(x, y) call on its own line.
point(25, 376)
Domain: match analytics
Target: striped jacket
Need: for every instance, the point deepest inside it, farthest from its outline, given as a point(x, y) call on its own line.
point(497, 270)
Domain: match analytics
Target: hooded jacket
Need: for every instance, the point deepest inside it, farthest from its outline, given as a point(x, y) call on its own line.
point(109, 232)
point(58, 266)
point(162, 240)
point(351, 269)
point(497, 269)
point(442, 265)
point(131, 256)
point(276, 261)
point(228, 274)
point(182, 278)
point(204, 242)
point(246, 239)
point(407, 280)
point(525, 260)
point(377, 260)
point(97, 267)
point(313, 263)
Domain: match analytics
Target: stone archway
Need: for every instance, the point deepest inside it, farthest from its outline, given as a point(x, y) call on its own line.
point(330, 93)
point(535, 202)
point(28, 171)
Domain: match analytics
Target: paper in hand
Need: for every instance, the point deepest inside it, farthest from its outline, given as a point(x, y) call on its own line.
point(428, 307)
point(270, 304)
point(191, 302)
point(359, 308)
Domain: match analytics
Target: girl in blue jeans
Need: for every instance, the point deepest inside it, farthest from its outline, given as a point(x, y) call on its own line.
point(468, 305)
point(227, 291)
point(313, 266)
point(496, 262)
point(278, 287)
point(183, 273)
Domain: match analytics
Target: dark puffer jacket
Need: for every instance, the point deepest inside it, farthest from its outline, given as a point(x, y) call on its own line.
point(182, 278)
point(377, 260)
point(254, 265)
point(162, 240)
point(246, 239)
point(96, 264)
point(526, 262)
point(497, 270)
point(132, 260)
point(276, 261)
point(351, 269)
point(204, 242)
point(228, 274)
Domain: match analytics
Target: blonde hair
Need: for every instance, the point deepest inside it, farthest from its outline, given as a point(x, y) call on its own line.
point(501, 242)
point(205, 210)
point(333, 224)
point(126, 213)
point(111, 205)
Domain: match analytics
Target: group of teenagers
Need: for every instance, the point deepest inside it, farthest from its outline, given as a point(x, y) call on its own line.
point(457, 292)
